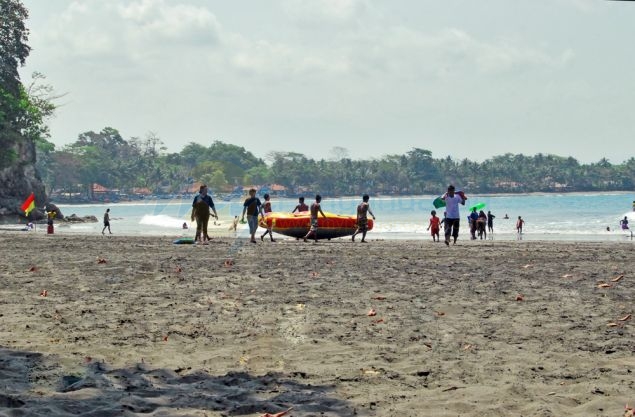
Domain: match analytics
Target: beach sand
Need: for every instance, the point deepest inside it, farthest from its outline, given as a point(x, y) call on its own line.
point(137, 326)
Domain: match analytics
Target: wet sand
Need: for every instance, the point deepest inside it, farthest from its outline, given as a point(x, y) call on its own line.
point(121, 326)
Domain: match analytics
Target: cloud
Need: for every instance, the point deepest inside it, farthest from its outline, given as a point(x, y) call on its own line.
point(406, 53)
point(325, 11)
point(586, 6)
point(118, 28)
point(156, 19)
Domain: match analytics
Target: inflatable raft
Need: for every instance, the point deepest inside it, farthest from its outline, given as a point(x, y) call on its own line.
point(297, 224)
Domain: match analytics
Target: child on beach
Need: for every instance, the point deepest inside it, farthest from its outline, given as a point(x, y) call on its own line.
point(624, 223)
point(234, 224)
point(267, 209)
point(519, 225)
point(434, 226)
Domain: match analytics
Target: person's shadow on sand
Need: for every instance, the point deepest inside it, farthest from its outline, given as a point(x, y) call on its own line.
point(104, 392)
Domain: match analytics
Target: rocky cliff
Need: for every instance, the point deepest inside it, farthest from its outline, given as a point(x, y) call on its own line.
point(19, 180)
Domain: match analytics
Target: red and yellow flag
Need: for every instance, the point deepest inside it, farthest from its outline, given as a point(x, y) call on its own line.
point(29, 204)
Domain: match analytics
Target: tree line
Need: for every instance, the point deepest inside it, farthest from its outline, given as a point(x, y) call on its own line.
point(108, 159)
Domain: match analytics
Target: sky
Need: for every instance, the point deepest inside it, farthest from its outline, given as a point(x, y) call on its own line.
point(344, 78)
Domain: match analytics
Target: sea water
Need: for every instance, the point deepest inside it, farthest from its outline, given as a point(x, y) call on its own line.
point(571, 216)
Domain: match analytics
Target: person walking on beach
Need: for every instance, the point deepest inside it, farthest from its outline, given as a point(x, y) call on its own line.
point(200, 211)
point(434, 226)
point(301, 206)
point(453, 215)
point(267, 209)
point(519, 225)
point(490, 222)
point(106, 222)
point(252, 206)
point(315, 210)
point(363, 209)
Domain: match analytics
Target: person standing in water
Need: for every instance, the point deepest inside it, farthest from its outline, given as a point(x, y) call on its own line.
point(519, 225)
point(362, 218)
point(624, 223)
point(490, 222)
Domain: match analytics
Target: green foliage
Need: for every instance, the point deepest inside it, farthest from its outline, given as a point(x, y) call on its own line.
point(108, 159)
point(13, 44)
point(23, 110)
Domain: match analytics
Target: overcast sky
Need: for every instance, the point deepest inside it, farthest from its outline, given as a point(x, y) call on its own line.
point(464, 78)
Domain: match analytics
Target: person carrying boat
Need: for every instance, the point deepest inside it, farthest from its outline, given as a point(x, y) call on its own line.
point(362, 218)
point(315, 210)
point(301, 206)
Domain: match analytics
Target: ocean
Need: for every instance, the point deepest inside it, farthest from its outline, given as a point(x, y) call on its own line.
point(571, 217)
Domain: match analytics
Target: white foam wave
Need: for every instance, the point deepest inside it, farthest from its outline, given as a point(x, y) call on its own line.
point(162, 220)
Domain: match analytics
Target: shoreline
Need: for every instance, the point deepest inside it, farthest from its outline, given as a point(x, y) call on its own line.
point(614, 236)
point(136, 326)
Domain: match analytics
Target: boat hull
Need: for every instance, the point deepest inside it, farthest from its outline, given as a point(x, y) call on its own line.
point(298, 224)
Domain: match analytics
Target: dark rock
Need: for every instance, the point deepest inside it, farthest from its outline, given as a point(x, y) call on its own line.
point(18, 180)
point(74, 218)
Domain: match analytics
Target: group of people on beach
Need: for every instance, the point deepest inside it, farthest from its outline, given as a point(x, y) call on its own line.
point(255, 211)
point(479, 222)
point(252, 207)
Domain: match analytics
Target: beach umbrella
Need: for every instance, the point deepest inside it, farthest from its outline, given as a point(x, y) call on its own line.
point(477, 206)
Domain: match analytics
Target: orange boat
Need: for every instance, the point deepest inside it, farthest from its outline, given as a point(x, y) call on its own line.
point(297, 224)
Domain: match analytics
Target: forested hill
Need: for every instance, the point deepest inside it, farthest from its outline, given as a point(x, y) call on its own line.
point(108, 159)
